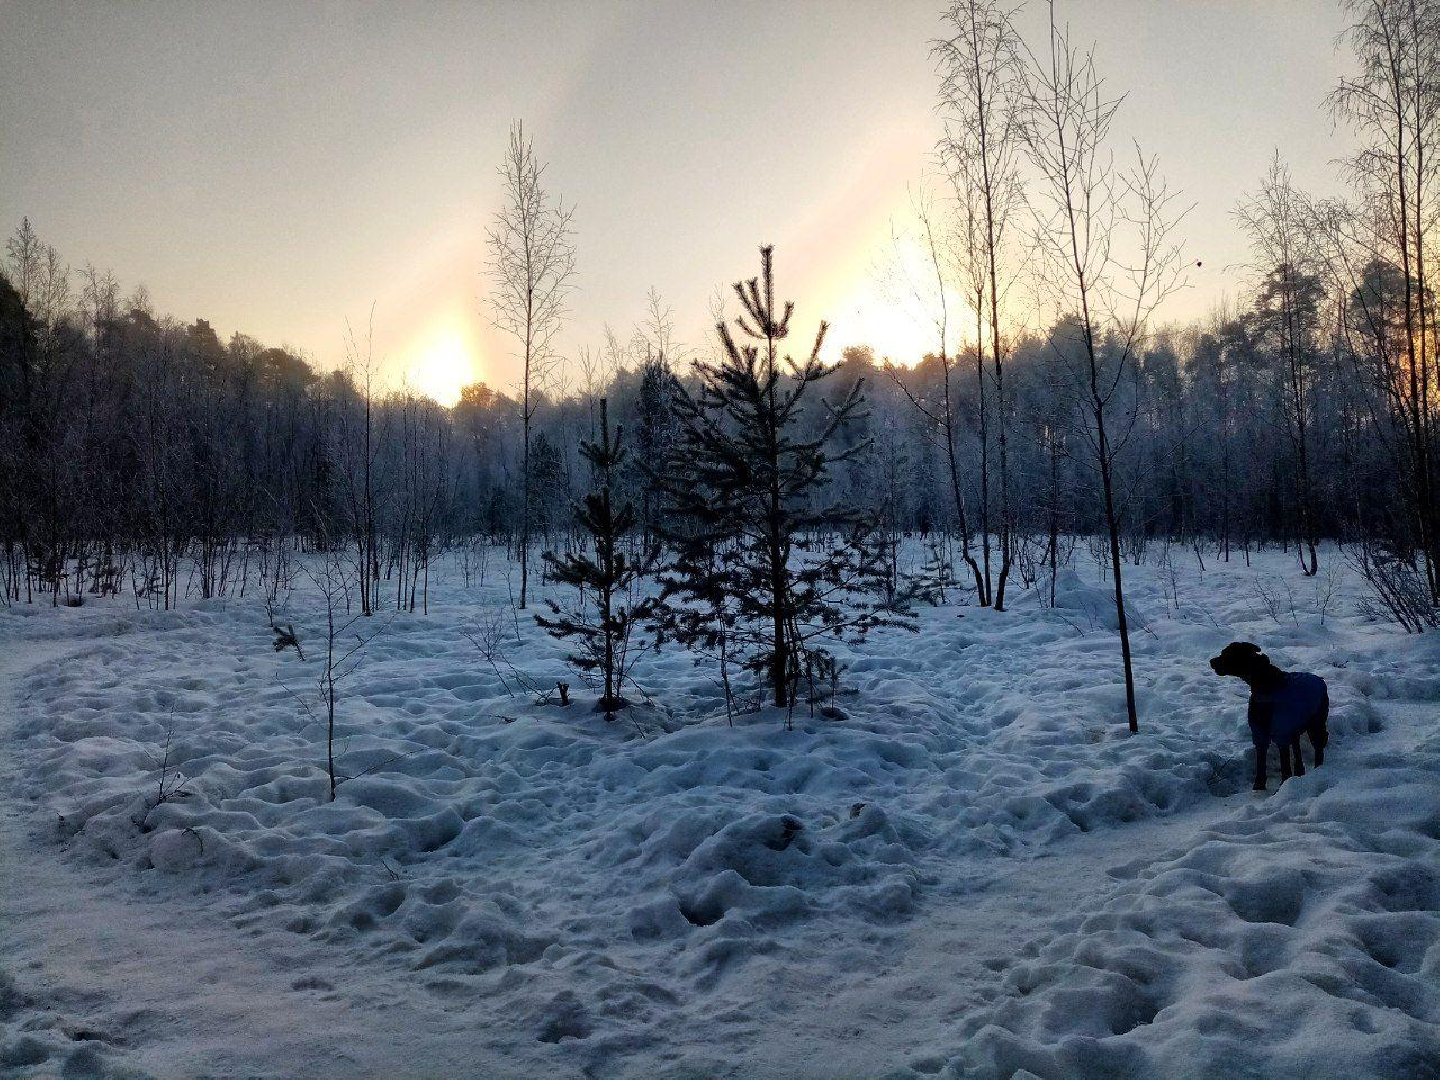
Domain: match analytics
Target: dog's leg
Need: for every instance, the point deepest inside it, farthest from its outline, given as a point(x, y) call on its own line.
point(1299, 759)
point(1319, 731)
point(1260, 737)
point(1284, 762)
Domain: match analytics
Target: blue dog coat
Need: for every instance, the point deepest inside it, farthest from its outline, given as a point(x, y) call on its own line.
point(1282, 711)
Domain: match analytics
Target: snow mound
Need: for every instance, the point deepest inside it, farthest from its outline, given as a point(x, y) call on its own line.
point(1093, 605)
point(1299, 939)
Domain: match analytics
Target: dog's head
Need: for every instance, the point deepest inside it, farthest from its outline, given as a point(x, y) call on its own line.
point(1242, 659)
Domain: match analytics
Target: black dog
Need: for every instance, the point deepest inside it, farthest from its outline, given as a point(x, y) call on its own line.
point(1282, 705)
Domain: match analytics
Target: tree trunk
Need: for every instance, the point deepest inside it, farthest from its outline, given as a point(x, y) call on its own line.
point(1112, 523)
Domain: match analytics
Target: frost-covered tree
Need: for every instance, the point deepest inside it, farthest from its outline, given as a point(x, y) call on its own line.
point(1393, 105)
point(981, 78)
point(532, 264)
point(1285, 320)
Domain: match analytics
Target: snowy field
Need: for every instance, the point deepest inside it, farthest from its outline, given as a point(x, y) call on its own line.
point(964, 868)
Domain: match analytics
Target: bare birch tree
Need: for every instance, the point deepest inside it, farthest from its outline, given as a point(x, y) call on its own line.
point(981, 69)
point(359, 451)
point(927, 291)
point(1106, 238)
point(532, 267)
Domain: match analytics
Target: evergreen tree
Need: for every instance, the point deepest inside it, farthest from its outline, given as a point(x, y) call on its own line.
point(654, 435)
point(1284, 322)
point(609, 605)
point(549, 491)
point(744, 480)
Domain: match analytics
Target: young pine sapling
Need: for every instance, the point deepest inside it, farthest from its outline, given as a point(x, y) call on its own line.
point(745, 478)
point(609, 603)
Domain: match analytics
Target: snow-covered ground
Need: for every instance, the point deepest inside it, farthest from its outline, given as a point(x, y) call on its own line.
point(965, 868)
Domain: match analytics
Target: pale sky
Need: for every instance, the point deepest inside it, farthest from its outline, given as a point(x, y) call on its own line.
point(276, 168)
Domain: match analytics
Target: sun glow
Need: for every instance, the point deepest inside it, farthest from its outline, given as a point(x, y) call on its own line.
point(897, 325)
point(444, 364)
point(887, 327)
point(882, 291)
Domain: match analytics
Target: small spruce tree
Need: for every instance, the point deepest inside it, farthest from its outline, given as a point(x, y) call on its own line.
point(654, 436)
point(609, 603)
point(758, 565)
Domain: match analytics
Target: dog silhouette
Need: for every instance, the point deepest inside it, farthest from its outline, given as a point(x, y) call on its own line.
point(1283, 706)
